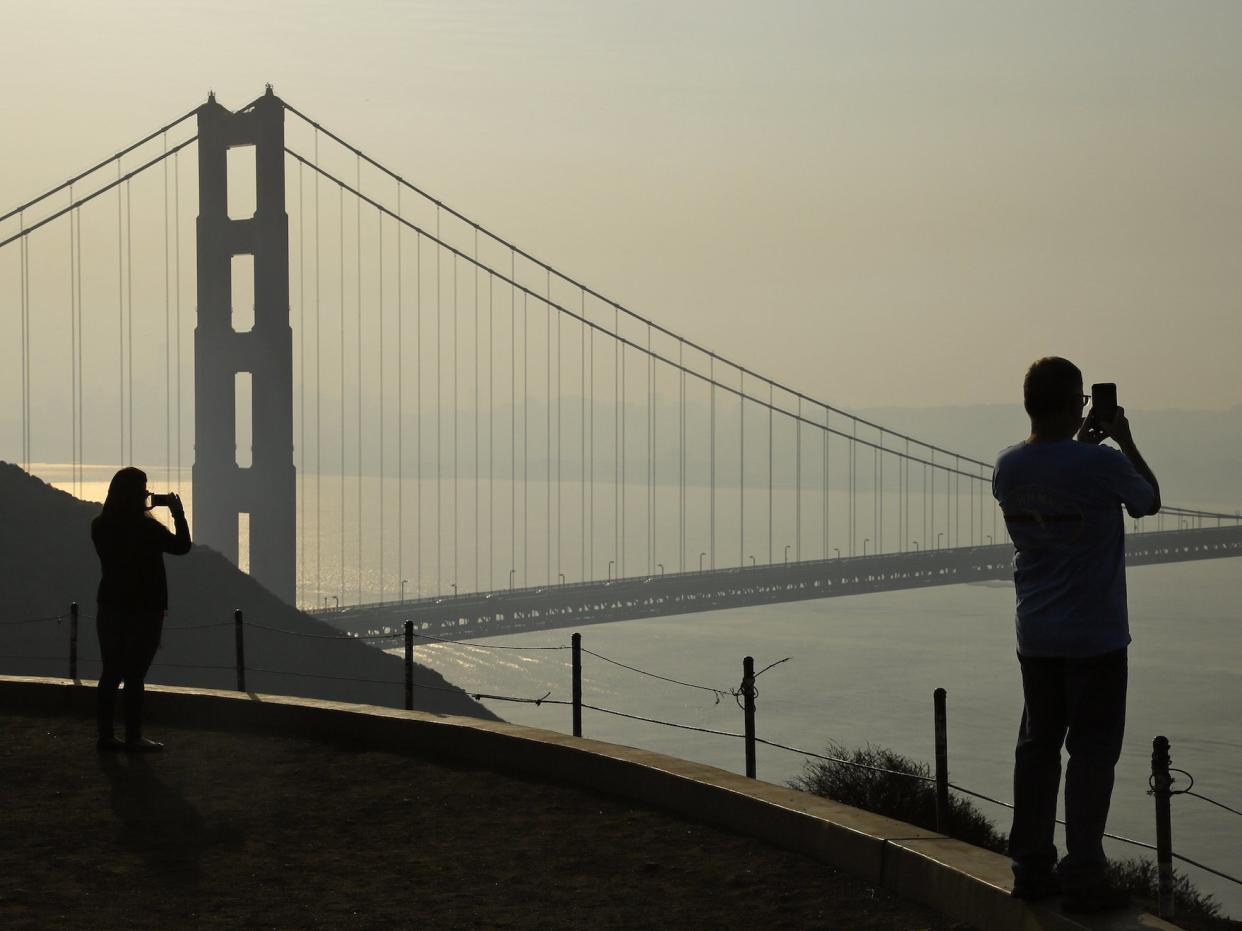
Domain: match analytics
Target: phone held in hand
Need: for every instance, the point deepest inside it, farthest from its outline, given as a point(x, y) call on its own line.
point(161, 501)
point(1104, 401)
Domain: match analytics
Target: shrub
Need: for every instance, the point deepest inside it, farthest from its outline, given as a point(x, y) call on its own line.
point(914, 801)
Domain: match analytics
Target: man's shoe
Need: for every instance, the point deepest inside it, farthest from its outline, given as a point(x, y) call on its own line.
point(1101, 898)
point(143, 745)
point(107, 744)
point(1037, 889)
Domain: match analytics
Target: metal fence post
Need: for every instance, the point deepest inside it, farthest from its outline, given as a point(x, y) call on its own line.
point(1161, 782)
point(409, 665)
point(942, 762)
point(748, 706)
point(241, 650)
point(73, 641)
point(576, 651)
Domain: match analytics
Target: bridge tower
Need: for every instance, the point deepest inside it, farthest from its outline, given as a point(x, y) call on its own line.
point(266, 490)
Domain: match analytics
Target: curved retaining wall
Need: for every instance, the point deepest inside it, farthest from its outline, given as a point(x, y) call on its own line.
point(965, 882)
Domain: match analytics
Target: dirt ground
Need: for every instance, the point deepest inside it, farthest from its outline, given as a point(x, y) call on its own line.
point(235, 831)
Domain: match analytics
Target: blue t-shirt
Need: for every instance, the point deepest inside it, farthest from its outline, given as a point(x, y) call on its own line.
point(1062, 505)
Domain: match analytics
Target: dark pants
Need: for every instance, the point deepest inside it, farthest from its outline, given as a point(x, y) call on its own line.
point(1081, 703)
point(127, 643)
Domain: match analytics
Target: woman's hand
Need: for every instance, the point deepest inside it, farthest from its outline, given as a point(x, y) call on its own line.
point(175, 504)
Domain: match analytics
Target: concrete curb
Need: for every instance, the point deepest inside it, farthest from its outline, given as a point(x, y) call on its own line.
point(965, 882)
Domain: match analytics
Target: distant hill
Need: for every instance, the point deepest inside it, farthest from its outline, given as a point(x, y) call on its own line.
point(48, 561)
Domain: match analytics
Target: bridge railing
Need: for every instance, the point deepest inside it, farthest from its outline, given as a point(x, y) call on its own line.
point(744, 694)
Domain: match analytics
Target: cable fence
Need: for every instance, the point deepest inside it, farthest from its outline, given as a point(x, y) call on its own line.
point(746, 693)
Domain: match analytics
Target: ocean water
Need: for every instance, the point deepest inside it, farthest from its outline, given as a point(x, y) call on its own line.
point(861, 669)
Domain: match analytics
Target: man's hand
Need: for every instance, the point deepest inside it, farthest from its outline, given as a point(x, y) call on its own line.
point(175, 504)
point(1118, 429)
point(1090, 431)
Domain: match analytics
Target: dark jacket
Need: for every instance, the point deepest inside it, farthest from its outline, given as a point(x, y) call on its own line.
point(131, 558)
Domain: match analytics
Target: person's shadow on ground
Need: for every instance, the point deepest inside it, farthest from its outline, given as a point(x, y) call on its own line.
point(157, 822)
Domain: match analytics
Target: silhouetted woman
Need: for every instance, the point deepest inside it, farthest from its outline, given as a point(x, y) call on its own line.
point(133, 596)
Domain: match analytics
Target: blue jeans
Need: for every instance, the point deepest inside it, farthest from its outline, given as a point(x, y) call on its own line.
point(1080, 703)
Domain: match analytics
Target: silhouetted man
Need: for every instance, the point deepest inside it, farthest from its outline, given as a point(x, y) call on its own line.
point(1062, 493)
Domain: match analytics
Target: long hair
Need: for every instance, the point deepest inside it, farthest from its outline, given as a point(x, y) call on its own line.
point(126, 499)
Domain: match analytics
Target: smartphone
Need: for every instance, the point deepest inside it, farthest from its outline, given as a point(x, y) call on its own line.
point(1104, 401)
point(161, 501)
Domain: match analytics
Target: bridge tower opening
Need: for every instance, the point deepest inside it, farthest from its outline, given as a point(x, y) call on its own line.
point(266, 490)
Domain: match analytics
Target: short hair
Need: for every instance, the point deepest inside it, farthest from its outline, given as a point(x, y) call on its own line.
point(1052, 385)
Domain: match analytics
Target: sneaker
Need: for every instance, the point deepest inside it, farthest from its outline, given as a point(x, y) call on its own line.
point(1035, 889)
point(143, 745)
point(109, 743)
point(1100, 898)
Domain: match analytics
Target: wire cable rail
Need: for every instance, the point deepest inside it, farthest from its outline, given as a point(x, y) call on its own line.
point(546, 699)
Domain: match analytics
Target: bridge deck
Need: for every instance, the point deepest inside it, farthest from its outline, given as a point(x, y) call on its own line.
point(488, 614)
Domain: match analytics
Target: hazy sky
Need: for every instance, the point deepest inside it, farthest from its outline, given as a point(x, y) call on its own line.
point(884, 203)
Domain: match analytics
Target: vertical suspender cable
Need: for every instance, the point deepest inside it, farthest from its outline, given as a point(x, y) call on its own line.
point(827, 461)
point(512, 419)
point(379, 316)
point(78, 361)
point(559, 425)
point(624, 399)
point(129, 310)
point(358, 280)
point(879, 535)
point(120, 312)
point(318, 396)
point(177, 304)
point(582, 434)
point(681, 466)
point(167, 335)
point(456, 417)
point(476, 408)
point(741, 459)
point(770, 408)
point(400, 402)
point(525, 440)
point(73, 348)
point(439, 435)
point(616, 437)
point(711, 498)
point(491, 432)
point(591, 457)
point(798, 483)
point(853, 484)
point(418, 414)
point(301, 381)
point(547, 436)
point(341, 348)
point(21, 301)
point(651, 456)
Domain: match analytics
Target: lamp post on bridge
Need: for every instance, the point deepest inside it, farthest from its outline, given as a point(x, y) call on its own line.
point(660, 566)
point(562, 575)
point(915, 544)
point(404, 582)
point(787, 554)
point(989, 536)
point(454, 584)
point(701, 555)
point(611, 563)
point(866, 540)
point(752, 560)
point(511, 571)
point(938, 536)
point(837, 550)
